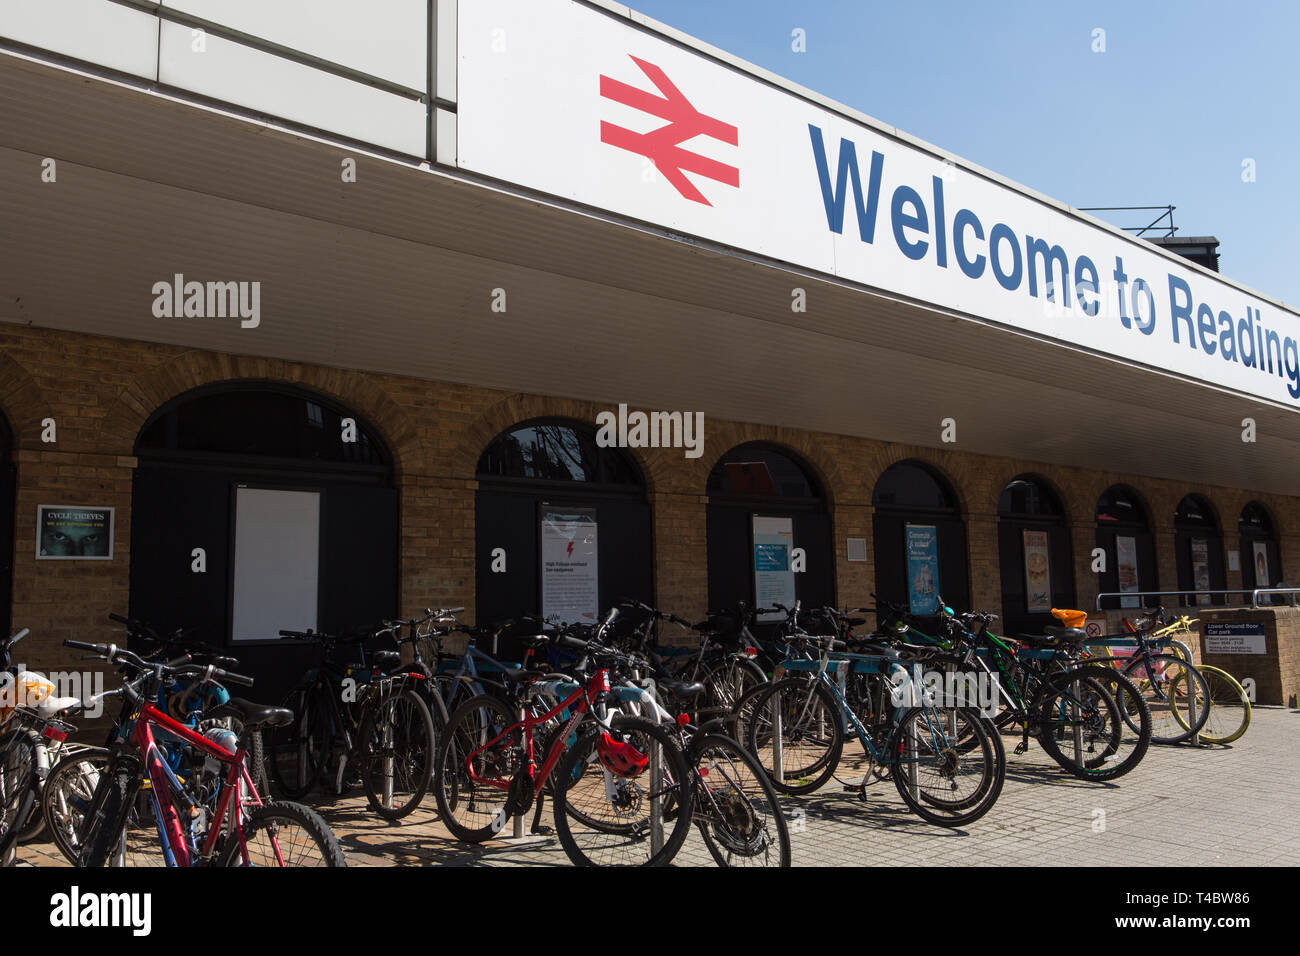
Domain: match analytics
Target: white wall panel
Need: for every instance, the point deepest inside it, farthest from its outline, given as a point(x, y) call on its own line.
point(238, 74)
point(97, 31)
point(385, 38)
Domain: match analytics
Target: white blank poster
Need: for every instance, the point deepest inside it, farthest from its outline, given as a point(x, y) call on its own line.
point(277, 562)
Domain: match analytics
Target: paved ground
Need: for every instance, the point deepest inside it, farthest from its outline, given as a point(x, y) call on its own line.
point(1219, 806)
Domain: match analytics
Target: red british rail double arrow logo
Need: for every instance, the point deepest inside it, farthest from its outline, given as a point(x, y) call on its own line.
point(662, 146)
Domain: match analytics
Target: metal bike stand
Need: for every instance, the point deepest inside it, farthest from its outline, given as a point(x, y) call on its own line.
point(1078, 727)
point(656, 808)
point(914, 765)
point(778, 747)
point(517, 834)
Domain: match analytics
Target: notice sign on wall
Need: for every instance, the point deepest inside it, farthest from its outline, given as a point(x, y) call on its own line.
point(68, 532)
point(570, 582)
point(1225, 638)
point(1126, 566)
point(923, 568)
point(1038, 572)
point(1201, 568)
point(773, 575)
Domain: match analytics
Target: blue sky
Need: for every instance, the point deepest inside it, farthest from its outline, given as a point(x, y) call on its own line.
point(1182, 95)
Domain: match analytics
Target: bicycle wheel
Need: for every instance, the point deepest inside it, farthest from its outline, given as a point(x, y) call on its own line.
point(17, 785)
point(1227, 707)
point(727, 683)
point(736, 807)
point(281, 833)
point(805, 753)
point(66, 797)
point(298, 752)
point(1093, 721)
point(474, 770)
point(396, 759)
point(937, 781)
point(1172, 717)
point(645, 815)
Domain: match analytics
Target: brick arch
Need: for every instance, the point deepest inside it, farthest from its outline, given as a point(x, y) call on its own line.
point(1003, 476)
point(816, 455)
point(1207, 495)
point(500, 416)
point(190, 370)
point(22, 403)
point(960, 471)
point(1151, 499)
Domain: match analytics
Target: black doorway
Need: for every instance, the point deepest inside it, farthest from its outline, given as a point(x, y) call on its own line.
point(1124, 534)
point(535, 477)
point(8, 486)
point(1034, 555)
point(202, 457)
point(1198, 550)
point(911, 497)
point(759, 493)
point(1261, 558)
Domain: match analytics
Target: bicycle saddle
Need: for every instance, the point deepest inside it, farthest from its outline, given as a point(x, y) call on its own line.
point(253, 715)
point(683, 689)
point(386, 660)
point(1055, 636)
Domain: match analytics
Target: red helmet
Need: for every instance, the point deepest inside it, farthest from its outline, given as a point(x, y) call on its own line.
point(620, 759)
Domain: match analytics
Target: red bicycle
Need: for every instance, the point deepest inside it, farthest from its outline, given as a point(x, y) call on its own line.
point(616, 786)
point(214, 816)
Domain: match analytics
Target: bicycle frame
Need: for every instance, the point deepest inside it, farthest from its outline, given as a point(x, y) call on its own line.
point(172, 837)
point(580, 697)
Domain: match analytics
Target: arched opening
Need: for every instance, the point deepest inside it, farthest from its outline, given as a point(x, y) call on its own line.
point(258, 506)
point(8, 485)
point(1034, 555)
point(1124, 534)
point(562, 525)
point(1198, 550)
point(920, 539)
point(769, 531)
point(1261, 558)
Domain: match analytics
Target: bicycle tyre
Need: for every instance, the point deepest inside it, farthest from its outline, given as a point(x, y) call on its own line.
point(1226, 696)
point(929, 807)
point(297, 753)
point(107, 820)
point(1117, 692)
point(467, 730)
point(277, 813)
point(825, 733)
point(64, 813)
point(418, 734)
point(721, 844)
point(673, 769)
point(18, 785)
point(1161, 704)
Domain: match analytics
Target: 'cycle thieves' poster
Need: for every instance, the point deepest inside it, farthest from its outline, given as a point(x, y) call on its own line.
point(73, 531)
point(570, 583)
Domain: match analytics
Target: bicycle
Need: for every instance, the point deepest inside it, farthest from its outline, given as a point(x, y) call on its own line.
point(385, 735)
point(796, 724)
point(1090, 719)
point(487, 772)
point(32, 738)
point(1176, 717)
point(736, 809)
point(239, 829)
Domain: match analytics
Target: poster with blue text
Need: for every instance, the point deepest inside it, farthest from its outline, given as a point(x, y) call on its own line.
point(922, 542)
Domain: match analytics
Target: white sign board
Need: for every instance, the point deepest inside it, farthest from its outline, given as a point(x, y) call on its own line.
point(1234, 639)
point(773, 575)
point(277, 562)
point(570, 580)
point(581, 104)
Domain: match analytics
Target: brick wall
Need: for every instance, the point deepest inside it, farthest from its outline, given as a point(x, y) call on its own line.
point(101, 391)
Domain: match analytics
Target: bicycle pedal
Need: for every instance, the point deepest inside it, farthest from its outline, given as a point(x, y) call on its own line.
point(543, 830)
point(1021, 748)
